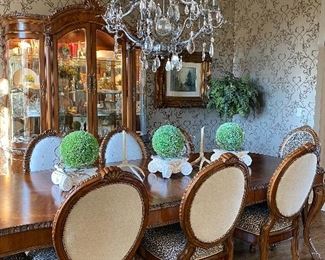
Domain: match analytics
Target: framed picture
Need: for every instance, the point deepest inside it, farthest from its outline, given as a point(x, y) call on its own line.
point(185, 88)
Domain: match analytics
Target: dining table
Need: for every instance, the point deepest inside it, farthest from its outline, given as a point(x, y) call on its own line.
point(28, 203)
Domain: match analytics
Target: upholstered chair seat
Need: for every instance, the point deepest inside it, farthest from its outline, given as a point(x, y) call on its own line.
point(255, 216)
point(43, 254)
point(168, 242)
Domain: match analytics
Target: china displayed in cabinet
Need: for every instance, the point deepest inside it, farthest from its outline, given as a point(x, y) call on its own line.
point(23, 82)
point(63, 74)
point(88, 79)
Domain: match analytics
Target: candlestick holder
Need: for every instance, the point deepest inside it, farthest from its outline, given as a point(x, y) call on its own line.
point(201, 159)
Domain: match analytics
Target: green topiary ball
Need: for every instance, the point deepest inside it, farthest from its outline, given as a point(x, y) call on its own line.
point(168, 142)
point(79, 149)
point(230, 137)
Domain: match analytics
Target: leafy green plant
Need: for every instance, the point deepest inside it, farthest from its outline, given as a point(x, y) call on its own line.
point(232, 96)
point(230, 137)
point(168, 142)
point(79, 149)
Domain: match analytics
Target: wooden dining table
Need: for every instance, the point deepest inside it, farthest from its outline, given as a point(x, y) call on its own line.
point(28, 203)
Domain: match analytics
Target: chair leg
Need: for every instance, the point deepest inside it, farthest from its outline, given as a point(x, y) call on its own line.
point(230, 248)
point(295, 240)
point(264, 238)
point(187, 252)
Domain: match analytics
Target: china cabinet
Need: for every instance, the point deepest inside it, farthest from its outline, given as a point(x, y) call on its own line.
point(24, 84)
point(63, 74)
point(88, 81)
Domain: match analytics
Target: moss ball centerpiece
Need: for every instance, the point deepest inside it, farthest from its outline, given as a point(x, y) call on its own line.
point(168, 142)
point(79, 149)
point(230, 137)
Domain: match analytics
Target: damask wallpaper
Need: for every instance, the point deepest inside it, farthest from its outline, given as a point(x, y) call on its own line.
point(275, 41)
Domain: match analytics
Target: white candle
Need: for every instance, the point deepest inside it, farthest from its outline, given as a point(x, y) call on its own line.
point(124, 145)
point(202, 140)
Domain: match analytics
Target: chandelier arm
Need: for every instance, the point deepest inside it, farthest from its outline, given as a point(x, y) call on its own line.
point(132, 8)
point(130, 35)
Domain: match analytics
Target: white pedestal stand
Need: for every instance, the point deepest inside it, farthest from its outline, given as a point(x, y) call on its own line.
point(170, 166)
point(243, 156)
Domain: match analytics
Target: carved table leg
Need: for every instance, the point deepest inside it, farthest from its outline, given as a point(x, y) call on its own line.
point(319, 194)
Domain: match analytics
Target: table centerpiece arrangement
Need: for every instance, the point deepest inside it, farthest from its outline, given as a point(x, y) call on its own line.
point(169, 144)
point(230, 138)
point(78, 153)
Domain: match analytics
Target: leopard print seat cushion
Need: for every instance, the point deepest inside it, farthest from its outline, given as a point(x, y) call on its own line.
point(254, 216)
point(168, 242)
point(43, 254)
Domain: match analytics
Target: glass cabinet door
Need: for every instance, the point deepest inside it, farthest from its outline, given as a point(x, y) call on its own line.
point(109, 84)
point(72, 81)
point(23, 70)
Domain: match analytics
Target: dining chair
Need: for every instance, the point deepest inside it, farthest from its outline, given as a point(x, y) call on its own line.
point(298, 137)
point(278, 219)
point(209, 209)
point(42, 152)
point(103, 218)
point(111, 148)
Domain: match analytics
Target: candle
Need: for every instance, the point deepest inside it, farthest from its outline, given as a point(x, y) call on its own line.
point(202, 140)
point(124, 145)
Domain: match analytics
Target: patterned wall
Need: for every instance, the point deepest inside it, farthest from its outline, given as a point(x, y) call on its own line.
point(192, 119)
point(276, 43)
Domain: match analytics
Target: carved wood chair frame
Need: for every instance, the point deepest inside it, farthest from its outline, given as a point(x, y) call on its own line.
point(227, 160)
point(107, 138)
point(266, 237)
point(309, 130)
point(107, 176)
point(31, 146)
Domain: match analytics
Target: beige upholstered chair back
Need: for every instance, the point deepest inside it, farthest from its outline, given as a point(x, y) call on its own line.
point(104, 218)
point(42, 152)
point(213, 201)
point(298, 137)
point(292, 182)
point(111, 147)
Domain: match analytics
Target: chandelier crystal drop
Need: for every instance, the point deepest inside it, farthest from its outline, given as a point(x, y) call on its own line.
point(165, 28)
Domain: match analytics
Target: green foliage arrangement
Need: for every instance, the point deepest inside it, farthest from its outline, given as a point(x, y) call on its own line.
point(232, 96)
point(230, 137)
point(79, 149)
point(168, 142)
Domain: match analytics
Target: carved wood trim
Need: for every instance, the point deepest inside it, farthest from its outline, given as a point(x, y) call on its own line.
point(227, 160)
point(107, 176)
point(31, 145)
point(107, 138)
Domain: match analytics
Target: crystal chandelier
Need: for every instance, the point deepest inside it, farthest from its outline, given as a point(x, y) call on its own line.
point(165, 28)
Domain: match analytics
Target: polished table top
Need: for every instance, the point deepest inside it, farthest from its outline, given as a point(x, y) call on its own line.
point(33, 199)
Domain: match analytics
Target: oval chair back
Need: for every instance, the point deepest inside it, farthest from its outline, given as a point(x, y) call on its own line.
point(298, 137)
point(42, 152)
point(103, 218)
point(111, 148)
point(292, 181)
point(218, 190)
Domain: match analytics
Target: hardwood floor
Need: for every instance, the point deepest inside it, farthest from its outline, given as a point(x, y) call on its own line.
point(282, 250)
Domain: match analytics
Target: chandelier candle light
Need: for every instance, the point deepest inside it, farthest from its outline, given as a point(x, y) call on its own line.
point(165, 28)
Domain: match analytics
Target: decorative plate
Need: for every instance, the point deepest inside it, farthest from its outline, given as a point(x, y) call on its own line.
point(26, 78)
